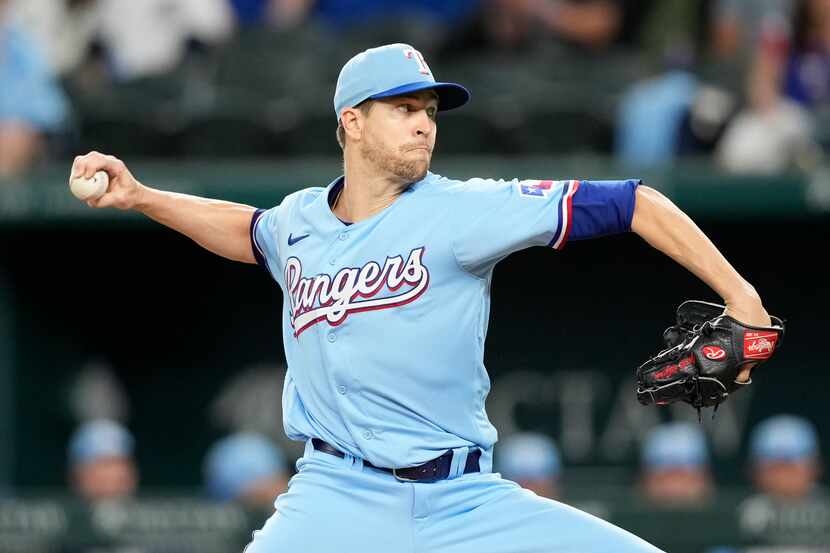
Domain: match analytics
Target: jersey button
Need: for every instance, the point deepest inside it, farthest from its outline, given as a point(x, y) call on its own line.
point(368, 434)
point(343, 236)
point(341, 390)
point(332, 337)
point(332, 261)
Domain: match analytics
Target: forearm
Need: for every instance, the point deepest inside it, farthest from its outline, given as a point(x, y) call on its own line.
point(665, 227)
point(218, 226)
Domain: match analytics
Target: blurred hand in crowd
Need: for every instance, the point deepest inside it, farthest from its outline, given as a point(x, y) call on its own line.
point(592, 23)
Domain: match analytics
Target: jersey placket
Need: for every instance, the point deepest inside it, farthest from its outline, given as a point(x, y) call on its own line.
point(332, 337)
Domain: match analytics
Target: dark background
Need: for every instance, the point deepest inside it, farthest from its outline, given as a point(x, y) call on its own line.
point(175, 322)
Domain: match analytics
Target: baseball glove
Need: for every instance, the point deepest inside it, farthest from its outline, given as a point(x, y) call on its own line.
point(705, 353)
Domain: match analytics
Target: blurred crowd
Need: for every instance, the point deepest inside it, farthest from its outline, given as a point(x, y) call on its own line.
point(743, 83)
point(783, 464)
point(243, 467)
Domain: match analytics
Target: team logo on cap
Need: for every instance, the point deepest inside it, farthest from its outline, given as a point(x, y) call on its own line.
point(415, 55)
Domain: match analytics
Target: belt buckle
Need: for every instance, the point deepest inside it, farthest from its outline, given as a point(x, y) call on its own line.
point(402, 478)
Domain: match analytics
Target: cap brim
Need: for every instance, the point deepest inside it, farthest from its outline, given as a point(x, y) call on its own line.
point(450, 95)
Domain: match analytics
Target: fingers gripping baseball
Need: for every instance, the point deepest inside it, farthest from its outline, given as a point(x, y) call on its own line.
point(123, 189)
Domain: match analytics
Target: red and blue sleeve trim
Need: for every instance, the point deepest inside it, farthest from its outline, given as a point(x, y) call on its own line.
point(258, 255)
point(565, 216)
point(602, 208)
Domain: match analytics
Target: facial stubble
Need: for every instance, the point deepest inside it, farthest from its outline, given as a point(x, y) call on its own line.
point(388, 161)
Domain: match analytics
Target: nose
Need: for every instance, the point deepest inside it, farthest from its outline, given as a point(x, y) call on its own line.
point(423, 124)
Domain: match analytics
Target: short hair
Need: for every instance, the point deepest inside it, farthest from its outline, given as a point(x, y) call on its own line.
point(364, 107)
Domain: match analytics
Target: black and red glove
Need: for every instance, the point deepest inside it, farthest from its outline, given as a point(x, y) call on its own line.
point(706, 352)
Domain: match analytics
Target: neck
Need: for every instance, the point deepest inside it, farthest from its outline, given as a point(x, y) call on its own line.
point(365, 191)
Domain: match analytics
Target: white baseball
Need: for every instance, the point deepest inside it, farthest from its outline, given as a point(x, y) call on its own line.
point(90, 189)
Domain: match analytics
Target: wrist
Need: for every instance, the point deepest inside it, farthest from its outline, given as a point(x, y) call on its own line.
point(744, 296)
point(747, 308)
point(141, 199)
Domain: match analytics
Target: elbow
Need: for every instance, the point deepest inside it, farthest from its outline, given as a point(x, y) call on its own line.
point(656, 217)
point(646, 202)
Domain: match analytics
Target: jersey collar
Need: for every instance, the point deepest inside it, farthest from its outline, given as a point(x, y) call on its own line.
point(337, 184)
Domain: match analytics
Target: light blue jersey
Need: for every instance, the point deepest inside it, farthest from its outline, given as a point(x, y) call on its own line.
point(384, 321)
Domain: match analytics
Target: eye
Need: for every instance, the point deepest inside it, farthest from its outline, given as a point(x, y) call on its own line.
point(432, 112)
point(406, 108)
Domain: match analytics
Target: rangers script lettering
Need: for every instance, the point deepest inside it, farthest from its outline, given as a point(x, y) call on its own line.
point(333, 298)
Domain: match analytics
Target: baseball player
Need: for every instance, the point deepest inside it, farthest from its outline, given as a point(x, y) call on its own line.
point(386, 277)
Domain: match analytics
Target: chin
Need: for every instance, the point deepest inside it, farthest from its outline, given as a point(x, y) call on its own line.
point(420, 172)
point(412, 171)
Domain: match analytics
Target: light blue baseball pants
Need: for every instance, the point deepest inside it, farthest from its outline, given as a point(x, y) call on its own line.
point(336, 505)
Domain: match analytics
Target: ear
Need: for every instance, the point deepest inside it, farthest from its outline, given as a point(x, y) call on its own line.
point(352, 121)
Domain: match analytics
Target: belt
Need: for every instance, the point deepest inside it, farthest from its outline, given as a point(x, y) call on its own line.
point(431, 471)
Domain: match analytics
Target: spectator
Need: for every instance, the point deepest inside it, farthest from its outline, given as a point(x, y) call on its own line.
point(790, 507)
point(31, 104)
point(675, 465)
point(677, 111)
point(245, 467)
point(532, 461)
point(64, 29)
point(101, 461)
point(784, 456)
point(650, 118)
point(789, 83)
point(151, 37)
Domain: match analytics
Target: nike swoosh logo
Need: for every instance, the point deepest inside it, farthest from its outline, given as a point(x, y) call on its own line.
point(292, 240)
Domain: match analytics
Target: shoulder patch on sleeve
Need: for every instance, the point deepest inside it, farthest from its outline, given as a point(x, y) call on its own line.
point(535, 188)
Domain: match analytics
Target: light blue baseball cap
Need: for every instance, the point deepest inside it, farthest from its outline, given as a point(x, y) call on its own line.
point(392, 70)
point(528, 456)
point(675, 445)
point(783, 438)
point(98, 439)
point(235, 462)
